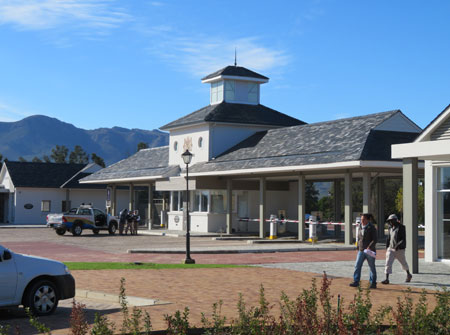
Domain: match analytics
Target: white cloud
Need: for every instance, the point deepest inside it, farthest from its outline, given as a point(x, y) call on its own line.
point(11, 114)
point(203, 55)
point(48, 14)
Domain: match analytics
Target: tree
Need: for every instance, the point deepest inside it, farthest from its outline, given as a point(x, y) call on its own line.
point(59, 154)
point(98, 160)
point(311, 197)
point(142, 145)
point(21, 159)
point(78, 155)
point(326, 206)
point(46, 159)
point(1, 158)
point(36, 160)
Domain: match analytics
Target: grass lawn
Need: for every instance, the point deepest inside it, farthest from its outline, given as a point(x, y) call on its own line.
point(137, 265)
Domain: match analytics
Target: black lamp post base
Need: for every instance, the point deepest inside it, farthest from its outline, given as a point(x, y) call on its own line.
point(189, 261)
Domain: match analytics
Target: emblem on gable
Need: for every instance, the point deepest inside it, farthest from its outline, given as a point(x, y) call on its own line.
point(187, 144)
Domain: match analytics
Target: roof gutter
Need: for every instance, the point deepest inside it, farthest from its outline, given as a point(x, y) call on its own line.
point(304, 168)
point(121, 180)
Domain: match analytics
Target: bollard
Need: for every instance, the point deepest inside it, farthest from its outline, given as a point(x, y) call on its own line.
point(312, 229)
point(273, 227)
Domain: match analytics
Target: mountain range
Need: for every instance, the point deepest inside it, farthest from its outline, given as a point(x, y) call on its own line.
point(37, 135)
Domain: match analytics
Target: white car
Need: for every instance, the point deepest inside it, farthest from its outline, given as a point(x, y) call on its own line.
point(34, 282)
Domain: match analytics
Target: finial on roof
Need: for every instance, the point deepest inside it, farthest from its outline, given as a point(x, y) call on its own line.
point(235, 58)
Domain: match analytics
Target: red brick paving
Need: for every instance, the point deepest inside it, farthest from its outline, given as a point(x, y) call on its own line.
point(70, 253)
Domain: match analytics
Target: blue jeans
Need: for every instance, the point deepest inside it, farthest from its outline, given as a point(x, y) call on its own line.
point(362, 256)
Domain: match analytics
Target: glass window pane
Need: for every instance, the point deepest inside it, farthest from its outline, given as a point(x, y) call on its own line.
point(195, 200)
point(204, 201)
point(218, 202)
point(243, 205)
point(229, 90)
point(252, 93)
point(219, 91)
point(444, 227)
point(175, 201)
point(445, 178)
point(182, 196)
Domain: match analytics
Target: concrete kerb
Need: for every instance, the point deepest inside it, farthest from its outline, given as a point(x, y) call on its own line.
point(113, 298)
point(239, 250)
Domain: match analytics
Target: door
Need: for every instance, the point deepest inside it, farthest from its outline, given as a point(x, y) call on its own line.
point(8, 278)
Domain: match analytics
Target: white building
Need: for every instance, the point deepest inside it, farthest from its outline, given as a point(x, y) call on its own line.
point(432, 146)
point(252, 161)
point(29, 191)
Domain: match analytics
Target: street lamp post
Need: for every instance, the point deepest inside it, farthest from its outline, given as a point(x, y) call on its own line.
point(187, 157)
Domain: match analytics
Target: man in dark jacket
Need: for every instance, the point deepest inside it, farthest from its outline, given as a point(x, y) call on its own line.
point(395, 248)
point(367, 240)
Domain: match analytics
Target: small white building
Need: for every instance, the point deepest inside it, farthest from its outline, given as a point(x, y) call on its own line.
point(29, 191)
point(432, 146)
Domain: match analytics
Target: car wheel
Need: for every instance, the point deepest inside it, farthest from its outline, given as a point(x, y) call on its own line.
point(96, 231)
point(77, 229)
point(42, 298)
point(112, 228)
point(60, 231)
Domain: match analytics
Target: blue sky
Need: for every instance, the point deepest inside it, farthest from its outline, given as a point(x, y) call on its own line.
point(138, 64)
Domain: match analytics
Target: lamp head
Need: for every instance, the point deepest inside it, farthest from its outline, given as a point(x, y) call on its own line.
point(187, 157)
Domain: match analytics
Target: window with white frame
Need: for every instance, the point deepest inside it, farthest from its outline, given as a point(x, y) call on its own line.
point(443, 224)
point(229, 90)
point(199, 201)
point(218, 201)
point(45, 205)
point(216, 92)
point(177, 201)
point(253, 92)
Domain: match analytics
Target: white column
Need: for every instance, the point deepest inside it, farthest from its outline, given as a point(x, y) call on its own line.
point(114, 200)
point(337, 208)
point(150, 206)
point(380, 209)
point(348, 209)
point(431, 215)
point(366, 192)
point(410, 200)
point(229, 217)
point(262, 206)
point(301, 208)
point(131, 198)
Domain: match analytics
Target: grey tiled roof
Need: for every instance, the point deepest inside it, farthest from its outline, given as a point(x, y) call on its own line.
point(238, 71)
point(319, 143)
point(144, 163)
point(236, 113)
point(42, 175)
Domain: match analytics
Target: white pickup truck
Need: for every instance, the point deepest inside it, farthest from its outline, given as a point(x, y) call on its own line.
point(83, 217)
point(34, 282)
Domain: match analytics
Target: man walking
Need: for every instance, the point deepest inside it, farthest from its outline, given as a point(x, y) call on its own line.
point(367, 240)
point(395, 248)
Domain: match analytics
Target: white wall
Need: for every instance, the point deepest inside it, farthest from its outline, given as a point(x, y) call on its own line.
point(223, 137)
point(194, 133)
point(24, 195)
point(5, 180)
point(56, 196)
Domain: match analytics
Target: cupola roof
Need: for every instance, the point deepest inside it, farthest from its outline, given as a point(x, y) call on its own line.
point(235, 72)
